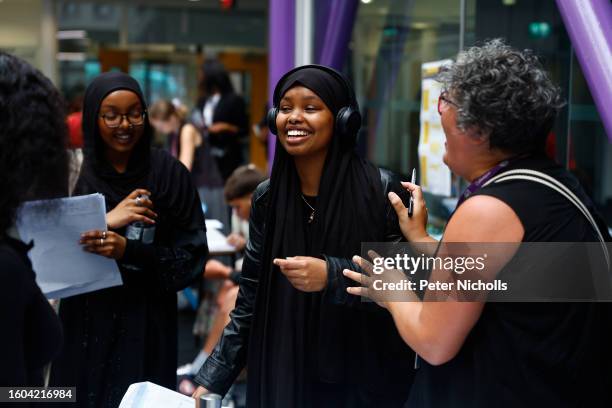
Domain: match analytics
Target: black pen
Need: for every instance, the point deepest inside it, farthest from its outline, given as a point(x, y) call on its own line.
point(410, 203)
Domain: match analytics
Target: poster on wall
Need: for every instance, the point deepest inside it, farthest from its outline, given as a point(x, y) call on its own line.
point(435, 175)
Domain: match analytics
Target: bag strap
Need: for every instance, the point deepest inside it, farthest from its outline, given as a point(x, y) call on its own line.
point(548, 181)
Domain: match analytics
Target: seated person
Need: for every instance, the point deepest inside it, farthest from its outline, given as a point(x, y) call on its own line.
point(238, 192)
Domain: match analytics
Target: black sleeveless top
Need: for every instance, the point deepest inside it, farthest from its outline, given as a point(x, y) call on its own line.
point(204, 170)
point(530, 354)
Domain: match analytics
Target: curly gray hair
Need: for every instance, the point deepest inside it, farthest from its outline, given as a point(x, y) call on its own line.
point(505, 93)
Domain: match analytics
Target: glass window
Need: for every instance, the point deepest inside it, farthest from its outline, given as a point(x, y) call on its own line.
point(392, 38)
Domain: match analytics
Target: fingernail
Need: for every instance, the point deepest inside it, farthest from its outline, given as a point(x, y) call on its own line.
point(355, 259)
point(344, 271)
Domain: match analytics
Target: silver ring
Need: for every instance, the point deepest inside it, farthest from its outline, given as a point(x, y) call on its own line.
point(103, 234)
point(101, 241)
point(138, 201)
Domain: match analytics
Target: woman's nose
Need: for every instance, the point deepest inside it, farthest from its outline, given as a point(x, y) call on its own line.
point(295, 116)
point(125, 123)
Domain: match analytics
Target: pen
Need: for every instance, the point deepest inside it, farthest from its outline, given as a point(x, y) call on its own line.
point(410, 203)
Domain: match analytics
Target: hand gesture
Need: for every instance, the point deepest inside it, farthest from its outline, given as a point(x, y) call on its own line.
point(413, 228)
point(305, 273)
point(368, 288)
point(132, 208)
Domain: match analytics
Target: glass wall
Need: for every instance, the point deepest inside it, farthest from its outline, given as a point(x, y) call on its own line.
point(393, 38)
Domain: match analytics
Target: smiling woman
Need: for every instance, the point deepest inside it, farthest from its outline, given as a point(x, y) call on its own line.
point(127, 334)
point(121, 125)
point(304, 340)
point(305, 124)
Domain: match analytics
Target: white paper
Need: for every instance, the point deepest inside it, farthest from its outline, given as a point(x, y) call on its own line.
point(214, 224)
point(217, 242)
point(149, 395)
point(55, 226)
point(435, 176)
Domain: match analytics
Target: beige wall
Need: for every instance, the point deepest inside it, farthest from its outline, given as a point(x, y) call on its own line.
point(27, 29)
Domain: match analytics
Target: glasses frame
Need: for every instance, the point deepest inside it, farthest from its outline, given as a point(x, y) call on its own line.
point(443, 97)
point(126, 117)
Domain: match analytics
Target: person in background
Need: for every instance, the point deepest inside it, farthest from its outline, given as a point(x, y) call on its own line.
point(186, 143)
point(184, 140)
point(75, 118)
point(224, 117)
point(238, 194)
point(34, 165)
point(156, 234)
point(497, 108)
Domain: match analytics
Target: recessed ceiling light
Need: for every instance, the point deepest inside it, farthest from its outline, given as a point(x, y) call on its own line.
point(366, 1)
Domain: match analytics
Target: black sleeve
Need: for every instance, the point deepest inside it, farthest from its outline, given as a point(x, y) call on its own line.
point(13, 302)
point(32, 332)
point(232, 109)
point(337, 283)
point(229, 356)
point(175, 267)
point(180, 249)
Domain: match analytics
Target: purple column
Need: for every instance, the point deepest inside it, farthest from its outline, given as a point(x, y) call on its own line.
point(338, 32)
point(589, 25)
point(281, 46)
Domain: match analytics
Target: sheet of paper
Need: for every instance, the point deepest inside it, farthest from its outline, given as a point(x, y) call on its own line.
point(217, 242)
point(214, 224)
point(149, 395)
point(62, 267)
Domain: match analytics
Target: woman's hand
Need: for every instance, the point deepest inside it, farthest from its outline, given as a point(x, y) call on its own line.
point(305, 273)
point(105, 243)
point(413, 228)
point(216, 270)
point(132, 208)
point(237, 241)
point(198, 393)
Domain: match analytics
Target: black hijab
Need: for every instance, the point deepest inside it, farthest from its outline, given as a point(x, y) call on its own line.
point(349, 210)
point(155, 170)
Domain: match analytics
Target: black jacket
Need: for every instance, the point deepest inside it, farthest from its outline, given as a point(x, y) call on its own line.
point(230, 355)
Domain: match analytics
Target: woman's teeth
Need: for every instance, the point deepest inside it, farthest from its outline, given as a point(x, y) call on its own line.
point(297, 133)
point(123, 137)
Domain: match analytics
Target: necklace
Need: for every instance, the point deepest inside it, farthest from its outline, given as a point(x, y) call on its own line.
point(312, 214)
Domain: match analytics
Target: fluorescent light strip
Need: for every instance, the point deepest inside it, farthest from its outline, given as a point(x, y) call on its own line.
point(71, 34)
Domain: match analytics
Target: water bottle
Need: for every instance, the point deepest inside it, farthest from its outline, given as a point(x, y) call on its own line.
point(139, 231)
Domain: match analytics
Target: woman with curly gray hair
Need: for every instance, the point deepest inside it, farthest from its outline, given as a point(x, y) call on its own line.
point(497, 109)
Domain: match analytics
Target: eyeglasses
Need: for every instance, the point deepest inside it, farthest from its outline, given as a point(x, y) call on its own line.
point(114, 120)
point(442, 100)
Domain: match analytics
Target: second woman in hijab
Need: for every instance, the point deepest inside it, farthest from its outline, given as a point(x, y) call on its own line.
point(126, 334)
point(303, 342)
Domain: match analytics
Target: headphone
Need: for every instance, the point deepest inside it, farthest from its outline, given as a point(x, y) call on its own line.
point(348, 118)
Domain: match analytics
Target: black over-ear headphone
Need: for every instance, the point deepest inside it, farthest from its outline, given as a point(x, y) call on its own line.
point(348, 119)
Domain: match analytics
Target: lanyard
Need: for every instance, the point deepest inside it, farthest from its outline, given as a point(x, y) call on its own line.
point(480, 181)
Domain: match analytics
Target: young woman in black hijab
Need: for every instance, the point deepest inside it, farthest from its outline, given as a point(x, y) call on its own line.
point(304, 343)
point(126, 334)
